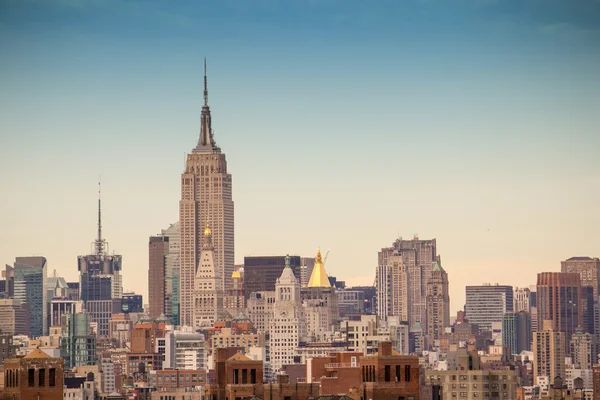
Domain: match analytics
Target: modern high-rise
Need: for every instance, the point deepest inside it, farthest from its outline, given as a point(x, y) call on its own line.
point(14, 317)
point(548, 353)
point(157, 268)
point(516, 332)
point(206, 198)
point(559, 301)
point(438, 303)
point(100, 282)
point(411, 275)
point(488, 303)
point(30, 274)
point(588, 269)
point(208, 293)
point(261, 272)
point(382, 286)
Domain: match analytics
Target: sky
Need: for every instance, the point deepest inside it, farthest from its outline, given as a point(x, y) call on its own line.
point(346, 125)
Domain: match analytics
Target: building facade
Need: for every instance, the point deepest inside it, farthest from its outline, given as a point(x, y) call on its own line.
point(487, 304)
point(206, 198)
point(30, 274)
point(438, 303)
point(261, 272)
point(208, 292)
point(548, 353)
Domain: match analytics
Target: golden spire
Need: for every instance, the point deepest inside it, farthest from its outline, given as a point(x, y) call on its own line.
point(207, 231)
point(318, 278)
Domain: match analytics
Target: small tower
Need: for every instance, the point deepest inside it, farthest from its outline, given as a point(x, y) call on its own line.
point(208, 296)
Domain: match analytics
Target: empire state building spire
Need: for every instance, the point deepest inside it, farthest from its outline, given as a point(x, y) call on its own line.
point(206, 142)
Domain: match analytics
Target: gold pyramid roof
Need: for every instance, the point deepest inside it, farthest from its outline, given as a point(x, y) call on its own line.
point(318, 278)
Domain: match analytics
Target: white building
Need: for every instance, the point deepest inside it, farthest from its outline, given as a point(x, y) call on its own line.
point(259, 308)
point(208, 292)
point(288, 319)
point(107, 376)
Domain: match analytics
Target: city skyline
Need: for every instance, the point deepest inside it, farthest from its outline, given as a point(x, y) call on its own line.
point(506, 183)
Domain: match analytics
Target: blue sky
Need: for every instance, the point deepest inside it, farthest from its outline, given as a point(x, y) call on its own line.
point(345, 123)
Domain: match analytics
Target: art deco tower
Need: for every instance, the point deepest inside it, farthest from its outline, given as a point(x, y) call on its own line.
point(205, 199)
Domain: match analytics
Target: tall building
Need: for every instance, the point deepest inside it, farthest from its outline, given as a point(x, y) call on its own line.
point(208, 292)
point(588, 269)
point(261, 272)
point(487, 303)
point(163, 273)
point(516, 332)
point(14, 317)
point(559, 301)
point(581, 350)
point(30, 288)
point(157, 266)
point(521, 298)
point(438, 303)
point(78, 345)
point(132, 303)
point(100, 283)
point(383, 283)
point(548, 353)
point(415, 259)
point(205, 199)
point(288, 325)
point(319, 300)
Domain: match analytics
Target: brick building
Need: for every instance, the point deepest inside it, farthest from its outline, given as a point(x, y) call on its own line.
point(34, 376)
point(173, 379)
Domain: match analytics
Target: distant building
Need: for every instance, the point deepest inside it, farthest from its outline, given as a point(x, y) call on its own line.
point(259, 308)
point(7, 350)
point(35, 376)
point(14, 317)
point(30, 288)
point(438, 304)
point(487, 303)
point(132, 303)
point(516, 332)
point(582, 347)
point(548, 353)
point(522, 299)
point(60, 307)
point(559, 300)
point(588, 269)
point(261, 272)
point(157, 275)
point(78, 344)
point(208, 292)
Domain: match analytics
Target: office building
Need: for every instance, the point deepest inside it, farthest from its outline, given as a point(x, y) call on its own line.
point(516, 332)
point(132, 303)
point(306, 267)
point(588, 269)
point(319, 300)
point(60, 307)
point(521, 298)
point(205, 199)
point(559, 300)
point(438, 304)
point(487, 304)
point(548, 353)
point(383, 284)
point(261, 272)
point(409, 265)
point(259, 308)
point(14, 317)
point(78, 344)
point(30, 288)
point(100, 282)
point(163, 273)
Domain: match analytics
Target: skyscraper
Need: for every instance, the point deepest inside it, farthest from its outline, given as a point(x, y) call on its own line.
point(417, 260)
point(158, 249)
point(288, 325)
point(516, 331)
point(206, 198)
point(30, 288)
point(487, 303)
point(588, 269)
point(261, 272)
point(100, 284)
point(521, 298)
point(438, 303)
point(559, 301)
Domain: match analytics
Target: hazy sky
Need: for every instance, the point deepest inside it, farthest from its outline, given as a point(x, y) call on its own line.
point(346, 124)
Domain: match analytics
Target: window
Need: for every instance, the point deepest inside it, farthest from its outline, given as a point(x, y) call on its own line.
point(387, 373)
point(52, 377)
point(407, 373)
point(42, 377)
point(31, 377)
point(397, 373)
point(253, 376)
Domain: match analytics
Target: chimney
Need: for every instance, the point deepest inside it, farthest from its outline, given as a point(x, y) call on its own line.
point(385, 348)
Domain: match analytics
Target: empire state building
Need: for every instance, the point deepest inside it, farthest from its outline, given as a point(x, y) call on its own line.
point(205, 199)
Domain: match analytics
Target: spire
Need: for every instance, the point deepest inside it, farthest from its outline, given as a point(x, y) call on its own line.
point(205, 86)
point(99, 241)
point(206, 142)
point(319, 278)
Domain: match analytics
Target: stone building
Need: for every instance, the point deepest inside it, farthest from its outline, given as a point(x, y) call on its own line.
point(208, 293)
point(438, 304)
point(34, 376)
